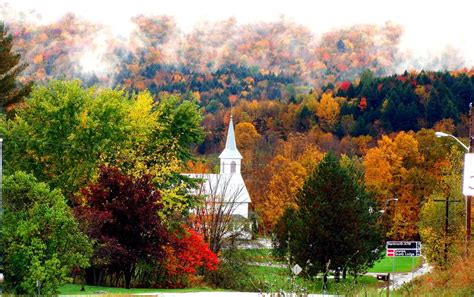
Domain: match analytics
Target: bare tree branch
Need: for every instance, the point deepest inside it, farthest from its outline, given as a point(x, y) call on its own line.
point(216, 218)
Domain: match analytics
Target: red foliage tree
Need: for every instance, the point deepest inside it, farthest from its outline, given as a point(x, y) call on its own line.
point(120, 213)
point(363, 103)
point(345, 85)
point(188, 253)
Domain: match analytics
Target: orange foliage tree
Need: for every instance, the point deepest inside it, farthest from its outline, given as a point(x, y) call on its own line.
point(392, 172)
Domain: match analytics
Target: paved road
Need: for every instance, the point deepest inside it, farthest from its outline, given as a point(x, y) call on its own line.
point(219, 294)
point(400, 278)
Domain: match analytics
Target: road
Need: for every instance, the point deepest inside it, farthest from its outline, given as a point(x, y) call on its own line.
point(221, 294)
point(400, 278)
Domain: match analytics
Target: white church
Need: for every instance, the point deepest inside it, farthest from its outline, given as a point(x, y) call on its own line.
point(228, 185)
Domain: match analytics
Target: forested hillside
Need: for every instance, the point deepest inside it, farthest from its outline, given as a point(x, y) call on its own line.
point(294, 96)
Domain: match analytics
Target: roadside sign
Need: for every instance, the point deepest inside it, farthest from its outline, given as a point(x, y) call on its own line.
point(296, 269)
point(403, 248)
point(403, 253)
point(468, 176)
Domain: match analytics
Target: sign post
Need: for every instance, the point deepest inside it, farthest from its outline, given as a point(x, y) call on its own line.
point(403, 249)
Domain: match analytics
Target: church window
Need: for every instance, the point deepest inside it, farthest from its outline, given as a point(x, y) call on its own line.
point(232, 167)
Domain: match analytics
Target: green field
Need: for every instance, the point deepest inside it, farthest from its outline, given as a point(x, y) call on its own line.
point(385, 264)
point(273, 279)
point(402, 264)
point(259, 255)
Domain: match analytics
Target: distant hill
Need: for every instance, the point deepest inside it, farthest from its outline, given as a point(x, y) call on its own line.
point(273, 74)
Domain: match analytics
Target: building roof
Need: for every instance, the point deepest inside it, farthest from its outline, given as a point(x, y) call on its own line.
point(230, 151)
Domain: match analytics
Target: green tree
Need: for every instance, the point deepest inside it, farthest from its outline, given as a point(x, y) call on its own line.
point(65, 132)
point(11, 91)
point(42, 241)
point(340, 226)
point(159, 145)
point(440, 247)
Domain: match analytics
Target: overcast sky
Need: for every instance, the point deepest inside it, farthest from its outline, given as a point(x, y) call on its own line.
point(430, 26)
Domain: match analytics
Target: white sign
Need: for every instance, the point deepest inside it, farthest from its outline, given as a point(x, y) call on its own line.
point(468, 178)
point(403, 248)
point(296, 269)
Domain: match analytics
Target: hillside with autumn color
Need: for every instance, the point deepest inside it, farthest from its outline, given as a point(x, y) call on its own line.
point(295, 96)
point(287, 87)
point(337, 91)
point(156, 51)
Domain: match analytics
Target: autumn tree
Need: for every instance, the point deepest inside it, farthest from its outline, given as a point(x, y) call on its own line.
point(335, 223)
point(159, 144)
point(247, 139)
point(393, 170)
point(120, 213)
point(328, 112)
point(287, 179)
point(188, 254)
point(11, 90)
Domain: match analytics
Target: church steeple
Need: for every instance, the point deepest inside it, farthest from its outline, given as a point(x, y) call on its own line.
point(230, 156)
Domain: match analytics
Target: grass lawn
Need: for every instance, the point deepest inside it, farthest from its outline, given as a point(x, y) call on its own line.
point(272, 279)
point(259, 255)
point(402, 264)
point(71, 289)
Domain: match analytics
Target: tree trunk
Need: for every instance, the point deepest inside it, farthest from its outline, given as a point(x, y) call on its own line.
point(128, 278)
point(128, 273)
point(344, 273)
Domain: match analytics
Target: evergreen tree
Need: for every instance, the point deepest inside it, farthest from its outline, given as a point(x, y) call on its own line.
point(11, 91)
point(336, 223)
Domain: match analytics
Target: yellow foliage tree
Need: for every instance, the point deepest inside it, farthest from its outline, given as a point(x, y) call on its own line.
point(288, 178)
point(247, 138)
point(328, 112)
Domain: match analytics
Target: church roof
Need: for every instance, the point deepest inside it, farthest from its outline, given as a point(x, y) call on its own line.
point(230, 151)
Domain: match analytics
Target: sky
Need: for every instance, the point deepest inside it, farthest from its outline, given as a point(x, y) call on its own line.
point(430, 26)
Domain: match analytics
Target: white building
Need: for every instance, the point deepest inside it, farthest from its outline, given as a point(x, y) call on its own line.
point(228, 186)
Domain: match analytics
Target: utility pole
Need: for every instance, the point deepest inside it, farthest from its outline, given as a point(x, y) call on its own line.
point(446, 225)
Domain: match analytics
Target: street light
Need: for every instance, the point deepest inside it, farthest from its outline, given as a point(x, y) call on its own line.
point(442, 134)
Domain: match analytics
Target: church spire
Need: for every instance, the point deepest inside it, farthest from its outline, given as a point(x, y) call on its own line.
point(230, 157)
